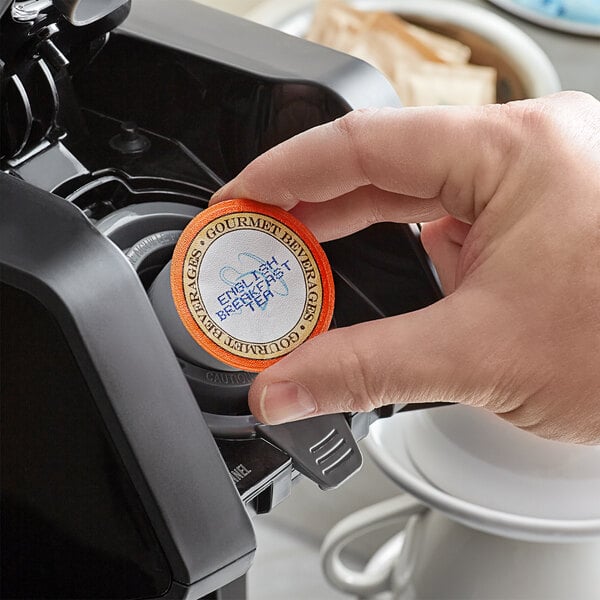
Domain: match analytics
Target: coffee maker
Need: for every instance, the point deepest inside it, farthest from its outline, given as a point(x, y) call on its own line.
point(131, 468)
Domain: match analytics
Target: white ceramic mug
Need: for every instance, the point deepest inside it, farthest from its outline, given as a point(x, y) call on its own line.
point(432, 556)
point(476, 456)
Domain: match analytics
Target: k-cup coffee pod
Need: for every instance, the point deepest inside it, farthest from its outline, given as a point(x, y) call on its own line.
point(251, 283)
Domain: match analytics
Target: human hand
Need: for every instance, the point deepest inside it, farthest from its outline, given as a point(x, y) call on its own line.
point(511, 194)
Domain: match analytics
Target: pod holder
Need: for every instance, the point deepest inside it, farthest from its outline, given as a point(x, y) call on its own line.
point(321, 448)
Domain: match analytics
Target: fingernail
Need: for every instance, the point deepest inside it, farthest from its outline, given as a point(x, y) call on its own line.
point(286, 401)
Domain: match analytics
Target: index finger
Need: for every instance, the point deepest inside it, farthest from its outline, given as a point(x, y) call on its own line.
point(452, 154)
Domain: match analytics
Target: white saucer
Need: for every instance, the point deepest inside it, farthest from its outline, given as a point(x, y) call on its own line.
point(386, 444)
point(559, 23)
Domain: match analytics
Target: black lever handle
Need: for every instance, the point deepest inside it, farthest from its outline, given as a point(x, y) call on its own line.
point(322, 448)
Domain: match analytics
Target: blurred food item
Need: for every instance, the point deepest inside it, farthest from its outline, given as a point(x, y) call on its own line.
point(426, 68)
point(428, 83)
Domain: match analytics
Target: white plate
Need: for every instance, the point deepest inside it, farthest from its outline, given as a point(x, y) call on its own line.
point(560, 23)
point(387, 445)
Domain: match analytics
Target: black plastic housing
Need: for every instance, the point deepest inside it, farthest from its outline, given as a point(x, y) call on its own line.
point(112, 484)
point(55, 257)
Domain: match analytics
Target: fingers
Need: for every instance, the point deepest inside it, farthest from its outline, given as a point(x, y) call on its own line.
point(443, 240)
point(364, 206)
point(434, 152)
point(423, 356)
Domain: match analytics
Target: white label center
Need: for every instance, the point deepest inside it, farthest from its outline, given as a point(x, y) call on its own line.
point(252, 286)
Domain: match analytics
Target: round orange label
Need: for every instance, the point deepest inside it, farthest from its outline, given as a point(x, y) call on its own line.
point(251, 283)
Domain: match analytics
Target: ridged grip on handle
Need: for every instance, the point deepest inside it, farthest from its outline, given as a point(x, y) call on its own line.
point(322, 448)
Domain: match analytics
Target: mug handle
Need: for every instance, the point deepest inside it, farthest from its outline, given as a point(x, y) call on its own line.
point(371, 581)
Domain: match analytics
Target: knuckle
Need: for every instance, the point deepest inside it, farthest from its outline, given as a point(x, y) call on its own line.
point(277, 161)
point(259, 177)
point(354, 120)
point(545, 120)
point(536, 118)
point(553, 431)
point(376, 214)
point(351, 127)
point(522, 120)
point(571, 97)
point(550, 120)
point(518, 130)
point(361, 396)
point(524, 415)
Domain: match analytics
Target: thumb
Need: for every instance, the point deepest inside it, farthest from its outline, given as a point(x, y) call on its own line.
point(423, 356)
